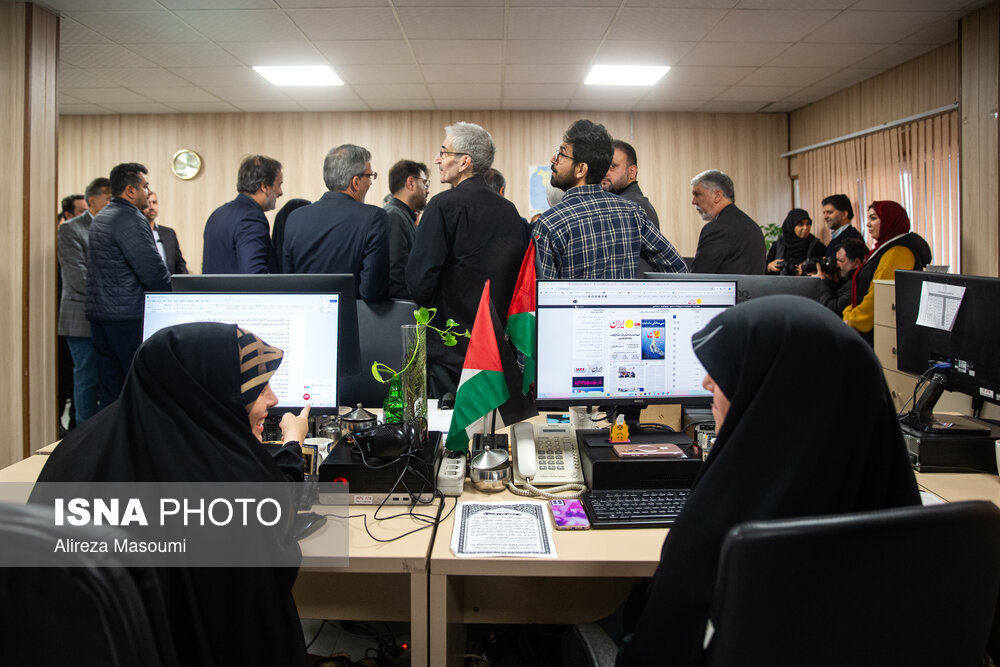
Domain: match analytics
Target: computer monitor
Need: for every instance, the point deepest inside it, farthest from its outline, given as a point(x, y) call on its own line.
point(304, 326)
point(964, 359)
point(623, 343)
point(298, 283)
point(751, 287)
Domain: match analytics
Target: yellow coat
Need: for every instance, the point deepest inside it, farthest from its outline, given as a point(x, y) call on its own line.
point(862, 316)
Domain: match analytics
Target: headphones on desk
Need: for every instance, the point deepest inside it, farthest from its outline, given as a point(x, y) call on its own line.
point(385, 442)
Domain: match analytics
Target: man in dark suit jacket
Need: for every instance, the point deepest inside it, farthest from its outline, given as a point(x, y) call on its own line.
point(237, 235)
point(731, 242)
point(165, 237)
point(340, 233)
point(408, 184)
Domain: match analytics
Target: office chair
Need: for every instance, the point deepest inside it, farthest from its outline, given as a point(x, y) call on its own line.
point(909, 586)
point(77, 608)
point(381, 340)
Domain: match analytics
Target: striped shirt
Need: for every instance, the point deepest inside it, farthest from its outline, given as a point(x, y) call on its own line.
point(594, 234)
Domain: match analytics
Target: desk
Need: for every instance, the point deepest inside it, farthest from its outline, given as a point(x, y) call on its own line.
point(594, 573)
point(383, 580)
point(25, 470)
point(956, 487)
point(48, 449)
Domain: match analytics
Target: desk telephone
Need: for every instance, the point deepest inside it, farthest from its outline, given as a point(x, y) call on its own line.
point(546, 455)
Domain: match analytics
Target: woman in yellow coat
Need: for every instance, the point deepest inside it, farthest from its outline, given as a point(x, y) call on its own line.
point(896, 247)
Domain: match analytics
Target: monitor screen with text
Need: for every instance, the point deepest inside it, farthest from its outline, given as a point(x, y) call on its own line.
point(601, 341)
point(304, 326)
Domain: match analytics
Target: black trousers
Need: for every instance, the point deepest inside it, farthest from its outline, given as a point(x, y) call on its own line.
point(115, 344)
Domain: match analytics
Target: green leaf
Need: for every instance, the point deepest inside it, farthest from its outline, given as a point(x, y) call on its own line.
point(449, 340)
point(451, 323)
point(379, 368)
point(422, 316)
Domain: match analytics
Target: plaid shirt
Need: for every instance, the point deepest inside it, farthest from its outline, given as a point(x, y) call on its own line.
point(594, 234)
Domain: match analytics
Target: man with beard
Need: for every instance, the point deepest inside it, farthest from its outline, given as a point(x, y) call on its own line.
point(622, 176)
point(593, 234)
point(409, 185)
point(731, 242)
point(237, 235)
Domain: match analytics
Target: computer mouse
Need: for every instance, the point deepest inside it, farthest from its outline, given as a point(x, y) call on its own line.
point(307, 523)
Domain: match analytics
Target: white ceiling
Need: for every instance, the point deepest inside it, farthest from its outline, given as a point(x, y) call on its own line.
point(194, 56)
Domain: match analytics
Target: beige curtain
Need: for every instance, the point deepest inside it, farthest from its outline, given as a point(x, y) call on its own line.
point(915, 164)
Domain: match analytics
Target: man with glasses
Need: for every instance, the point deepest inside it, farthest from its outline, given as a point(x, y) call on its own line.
point(340, 233)
point(467, 235)
point(409, 185)
point(593, 234)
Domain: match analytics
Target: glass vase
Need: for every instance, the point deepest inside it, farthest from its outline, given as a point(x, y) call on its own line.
point(414, 378)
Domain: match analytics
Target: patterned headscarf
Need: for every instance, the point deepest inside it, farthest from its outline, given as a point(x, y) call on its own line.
point(258, 361)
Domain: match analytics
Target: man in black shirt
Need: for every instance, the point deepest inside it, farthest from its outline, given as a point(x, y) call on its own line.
point(467, 235)
point(835, 290)
point(409, 185)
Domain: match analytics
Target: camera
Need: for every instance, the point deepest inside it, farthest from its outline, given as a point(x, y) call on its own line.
point(828, 264)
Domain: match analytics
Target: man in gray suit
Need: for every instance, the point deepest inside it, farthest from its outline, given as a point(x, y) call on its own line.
point(165, 237)
point(73, 241)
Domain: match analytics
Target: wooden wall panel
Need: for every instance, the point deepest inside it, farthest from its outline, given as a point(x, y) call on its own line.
point(927, 82)
point(28, 50)
point(12, 57)
point(40, 159)
point(671, 148)
point(980, 143)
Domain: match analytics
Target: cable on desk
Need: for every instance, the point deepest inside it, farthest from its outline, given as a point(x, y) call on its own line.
point(316, 636)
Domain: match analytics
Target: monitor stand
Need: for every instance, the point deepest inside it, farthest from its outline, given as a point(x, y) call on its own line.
point(922, 417)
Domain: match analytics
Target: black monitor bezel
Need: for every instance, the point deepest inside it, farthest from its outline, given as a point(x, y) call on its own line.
point(349, 345)
point(804, 286)
point(632, 403)
point(917, 345)
point(279, 409)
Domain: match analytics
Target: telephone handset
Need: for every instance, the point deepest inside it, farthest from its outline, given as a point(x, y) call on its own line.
point(545, 455)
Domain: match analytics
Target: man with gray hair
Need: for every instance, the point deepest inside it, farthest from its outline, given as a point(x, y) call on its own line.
point(340, 233)
point(467, 235)
point(731, 242)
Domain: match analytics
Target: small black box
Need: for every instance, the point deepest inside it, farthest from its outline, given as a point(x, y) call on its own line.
point(603, 470)
point(369, 484)
point(952, 453)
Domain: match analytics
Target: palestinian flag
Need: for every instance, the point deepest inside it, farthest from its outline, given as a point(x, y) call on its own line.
point(521, 317)
point(483, 387)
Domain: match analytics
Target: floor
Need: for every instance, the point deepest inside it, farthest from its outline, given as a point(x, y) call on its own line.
point(355, 639)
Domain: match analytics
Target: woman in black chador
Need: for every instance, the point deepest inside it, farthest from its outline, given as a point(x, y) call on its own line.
point(192, 410)
point(781, 452)
point(796, 245)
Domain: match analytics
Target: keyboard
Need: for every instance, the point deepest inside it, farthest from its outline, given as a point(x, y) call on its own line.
point(641, 508)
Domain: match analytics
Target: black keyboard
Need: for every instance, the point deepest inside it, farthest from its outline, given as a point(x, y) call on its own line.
point(634, 509)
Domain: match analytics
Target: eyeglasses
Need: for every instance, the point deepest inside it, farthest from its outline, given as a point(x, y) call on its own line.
point(372, 175)
point(559, 154)
point(426, 182)
point(441, 154)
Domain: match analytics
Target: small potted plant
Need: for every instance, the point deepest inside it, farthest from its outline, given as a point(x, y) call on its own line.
point(412, 377)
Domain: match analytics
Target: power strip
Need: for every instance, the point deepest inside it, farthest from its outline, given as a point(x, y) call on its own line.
point(451, 474)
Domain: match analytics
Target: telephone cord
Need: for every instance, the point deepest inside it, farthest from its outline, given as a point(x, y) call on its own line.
point(529, 492)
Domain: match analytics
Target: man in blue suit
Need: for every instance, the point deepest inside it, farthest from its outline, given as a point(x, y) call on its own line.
point(237, 235)
point(340, 233)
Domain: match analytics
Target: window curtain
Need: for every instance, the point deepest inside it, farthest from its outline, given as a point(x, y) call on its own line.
point(914, 164)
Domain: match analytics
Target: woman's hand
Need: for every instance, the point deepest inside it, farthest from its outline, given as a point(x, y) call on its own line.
point(294, 427)
point(775, 265)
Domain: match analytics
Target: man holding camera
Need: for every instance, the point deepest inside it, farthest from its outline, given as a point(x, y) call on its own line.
point(835, 287)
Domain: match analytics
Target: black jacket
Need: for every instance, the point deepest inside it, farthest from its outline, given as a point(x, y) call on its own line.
point(732, 243)
point(123, 264)
point(402, 230)
point(836, 296)
point(864, 276)
point(338, 234)
point(467, 235)
point(172, 249)
point(850, 233)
